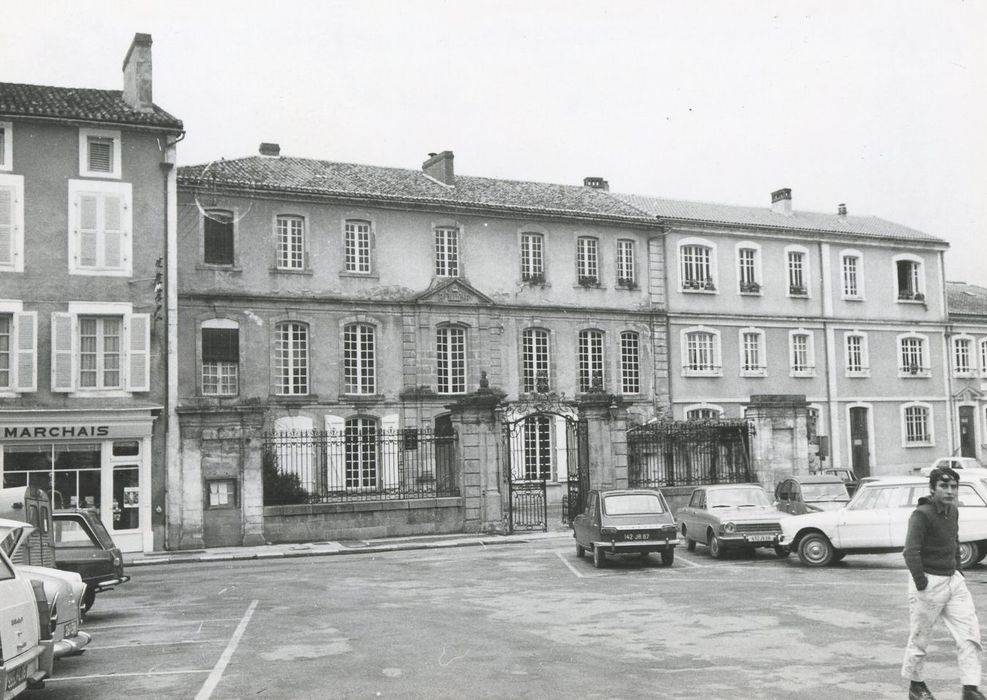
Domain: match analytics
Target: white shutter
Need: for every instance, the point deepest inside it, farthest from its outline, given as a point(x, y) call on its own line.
point(390, 445)
point(561, 429)
point(112, 231)
point(138, 352)
point(88, 230)
point(335, 453)
point(6, 225)
point(26, 351)
point(63, 356)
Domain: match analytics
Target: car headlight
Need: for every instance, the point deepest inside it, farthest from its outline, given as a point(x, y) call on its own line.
point(729, 528)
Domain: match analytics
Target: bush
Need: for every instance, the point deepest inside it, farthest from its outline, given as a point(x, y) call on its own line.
point(281, 489)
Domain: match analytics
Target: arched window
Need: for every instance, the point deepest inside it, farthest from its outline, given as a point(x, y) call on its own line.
point(535, 360)
point(630, 362)
point(291, 358)
point(361, 441)
point(590, 360)
point(359, 359)
point(450, 360)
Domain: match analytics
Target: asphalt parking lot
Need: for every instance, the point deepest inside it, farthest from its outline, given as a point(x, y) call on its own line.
point(526, 620)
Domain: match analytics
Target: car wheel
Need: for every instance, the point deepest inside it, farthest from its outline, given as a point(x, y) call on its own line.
point(599, 558)
point(580, 551)
point(815, 550)
point(838, 556)
point(981, 551)
point(782, 552)
point(715, 546)
point(88, 600)
point(667, 556)
point(968, 554)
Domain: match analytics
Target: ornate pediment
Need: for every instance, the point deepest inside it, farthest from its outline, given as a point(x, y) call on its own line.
point(968, 393)
point(453, 291)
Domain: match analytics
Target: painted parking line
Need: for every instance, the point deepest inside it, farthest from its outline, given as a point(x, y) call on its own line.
point(217, 673)
point(570, 566)
point(143, 645)
point(159, 624)
point(138, 674)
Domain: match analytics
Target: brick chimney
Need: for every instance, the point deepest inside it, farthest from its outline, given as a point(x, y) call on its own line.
point(272, 150)
point(597, 183)
point(137, 83)
point(439, 167)
point(781, 201)
point(841, 209)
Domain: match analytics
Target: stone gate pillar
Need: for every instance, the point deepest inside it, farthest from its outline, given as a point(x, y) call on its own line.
point(780, 444)
point(479, 456)
point(606, 426)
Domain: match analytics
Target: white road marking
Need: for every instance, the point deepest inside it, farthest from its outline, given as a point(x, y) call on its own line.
point(160, 624)
point(60, 679)
point(141, 645)
point(690, 562)
point(217, 673)
point(569, 565)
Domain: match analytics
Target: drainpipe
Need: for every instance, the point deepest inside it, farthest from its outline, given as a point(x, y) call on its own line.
point(829, 353)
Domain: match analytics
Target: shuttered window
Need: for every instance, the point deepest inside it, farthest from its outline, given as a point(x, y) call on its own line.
point(6, 225)
point(217, 242)
point(100, 156)
point(100, 234)
point(6, 350)
point(96, 353)
point(11, 222)
point(220, 361)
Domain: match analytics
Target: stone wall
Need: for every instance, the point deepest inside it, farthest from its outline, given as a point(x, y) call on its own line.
point(317, 522)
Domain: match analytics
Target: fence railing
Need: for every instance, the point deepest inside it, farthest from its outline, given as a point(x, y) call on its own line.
point(359, 465)
point(685, 453)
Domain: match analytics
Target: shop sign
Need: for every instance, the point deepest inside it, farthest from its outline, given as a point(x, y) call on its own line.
point(73, 431)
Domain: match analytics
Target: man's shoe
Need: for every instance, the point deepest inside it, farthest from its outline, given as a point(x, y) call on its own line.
point(973, 694)
point(920, 692)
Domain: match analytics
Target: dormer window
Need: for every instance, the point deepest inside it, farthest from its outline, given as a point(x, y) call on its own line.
point(99, 153)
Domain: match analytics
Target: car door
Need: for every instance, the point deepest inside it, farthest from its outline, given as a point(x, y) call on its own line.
point(689, 516)
point(796, 500)
point(907, 503)
point(581, 524)
point(867, 523)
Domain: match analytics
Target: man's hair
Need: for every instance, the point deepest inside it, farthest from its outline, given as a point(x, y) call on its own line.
point(942, 473)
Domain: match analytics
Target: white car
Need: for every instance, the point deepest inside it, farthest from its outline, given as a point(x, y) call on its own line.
point(875, 521)
point(968, 464)
point(25, 656)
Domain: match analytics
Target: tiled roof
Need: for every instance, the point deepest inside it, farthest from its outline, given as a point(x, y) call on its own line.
point(319, 177)
point(85, 104)
point(963, 298)
point(764, 217)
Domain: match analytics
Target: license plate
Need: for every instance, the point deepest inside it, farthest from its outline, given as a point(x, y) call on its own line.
point(637, 536)
point(760, 538)
point(17, 676)
point(71, 629)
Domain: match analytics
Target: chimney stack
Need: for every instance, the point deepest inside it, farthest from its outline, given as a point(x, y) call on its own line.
point(597, 183)
point(781, 201)
point(841, 209)
point(270, 149)
point(439, 167)
point(137, 82)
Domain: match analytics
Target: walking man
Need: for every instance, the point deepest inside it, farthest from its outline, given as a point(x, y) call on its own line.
point(937, 589)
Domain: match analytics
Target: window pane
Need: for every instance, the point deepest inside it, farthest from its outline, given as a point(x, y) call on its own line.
point(218, 238)
point(126, 497)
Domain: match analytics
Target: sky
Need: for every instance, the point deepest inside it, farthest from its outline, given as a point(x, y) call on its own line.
point(880, 105)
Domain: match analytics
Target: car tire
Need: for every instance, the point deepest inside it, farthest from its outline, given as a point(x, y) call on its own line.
point(667, 556)
point(580, 551)
point(599, 557)
point(838, 556)
point(968, 554)
point(715, 546)
point(782, 552)
point(88, 600)
point(690, 544)
point(815, 549)
point(981, 551)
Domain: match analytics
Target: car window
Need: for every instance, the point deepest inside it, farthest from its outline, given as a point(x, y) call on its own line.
point(6, 571)
point(7, 544)
point(739, 496)
point(872, 497)
point(697, 499)
point(914, 493)
point(969, 498)
point(825, 492)
point(632, 504)
point(71, 533)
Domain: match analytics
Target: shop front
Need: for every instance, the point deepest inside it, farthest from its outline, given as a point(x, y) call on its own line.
point(97, 460)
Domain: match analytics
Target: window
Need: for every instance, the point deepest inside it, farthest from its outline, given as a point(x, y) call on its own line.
point(701, 352)
point(99, 153)
point(749, 268)
point(100, 347)
point(218, 237)
point(801, 354)
point(963, 356)
point(222, 493)
point(450, 360)
point(853, 281)
point(99, 228)
point(357, 247)
point(447, 252)
point(798, 271)
point(909, 278)
point(752, 358)
point(626, 276)
point(630, 362)
point(291, 242)
point(359, 359)
point(704, 413)
point(291, 358)
point(534, 360)
point(361, 438)
point(6, 145)
point(18, 349)
point(696, 266)
point(916, 424)
point(220, 358)
point(857, 362)
point(911, 352)
point(983, 357)
point(533, 257)
point(537, 448)
point(11, 223)
point(590, 360)
point(588, 261)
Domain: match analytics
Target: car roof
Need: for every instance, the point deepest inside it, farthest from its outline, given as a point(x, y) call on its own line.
point(815, 478)
point(723, 487)
point(626, 492)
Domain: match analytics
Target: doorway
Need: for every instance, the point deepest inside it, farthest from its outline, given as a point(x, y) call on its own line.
point(859, 441)
point(968, 435)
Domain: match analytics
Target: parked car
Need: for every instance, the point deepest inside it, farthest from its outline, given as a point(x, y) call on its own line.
point(810, 492)
point(875, 521)
point(26, 658)
point(957, 463)
point(63, 593)
point(83, 545)
point(847, 475)
point(730, 516)
point(625, 521)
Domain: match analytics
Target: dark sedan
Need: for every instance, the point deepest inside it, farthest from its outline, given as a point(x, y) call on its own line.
point(625, 521)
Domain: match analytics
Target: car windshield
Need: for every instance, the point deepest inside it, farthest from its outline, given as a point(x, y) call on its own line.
point(738, 497)
point(7, 545)
point(632, 504)
point(824, 492)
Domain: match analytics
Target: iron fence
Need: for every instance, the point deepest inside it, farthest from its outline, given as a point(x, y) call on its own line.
point(365, 464)
point(686, 453)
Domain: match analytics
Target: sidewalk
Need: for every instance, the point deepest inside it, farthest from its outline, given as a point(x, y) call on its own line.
point(318, 549)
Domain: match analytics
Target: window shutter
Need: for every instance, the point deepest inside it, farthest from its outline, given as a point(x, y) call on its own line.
point(6, 225)
point(390, 443)
point(100, 154)
point(26, 364)
point(335, 452)
point(88, 229)
point(139, 355)
point(112, 231)
point(221, 345)
point(62, 352)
